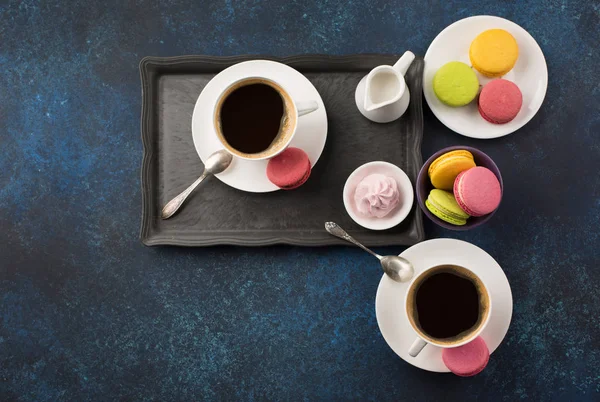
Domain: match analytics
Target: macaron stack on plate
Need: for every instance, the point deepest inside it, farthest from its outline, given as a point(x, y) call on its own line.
point(290, 169)
point(493, 53)
point(467, 360)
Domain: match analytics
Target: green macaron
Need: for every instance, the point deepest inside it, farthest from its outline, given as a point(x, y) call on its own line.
point(443, 205)
point(455, 84)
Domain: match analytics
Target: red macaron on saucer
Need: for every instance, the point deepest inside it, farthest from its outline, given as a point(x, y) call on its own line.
point(290, 169)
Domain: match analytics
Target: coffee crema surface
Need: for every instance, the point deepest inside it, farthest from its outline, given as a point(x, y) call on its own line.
point(255, 118)
point(448, 304)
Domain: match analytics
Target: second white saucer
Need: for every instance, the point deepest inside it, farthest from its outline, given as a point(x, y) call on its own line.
point(389, 302)
point(310, 136)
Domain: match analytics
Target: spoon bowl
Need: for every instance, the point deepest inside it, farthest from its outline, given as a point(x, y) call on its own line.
point(397, 268)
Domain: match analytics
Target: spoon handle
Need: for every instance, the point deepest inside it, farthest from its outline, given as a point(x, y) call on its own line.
point(176, 203)
point(333, 229)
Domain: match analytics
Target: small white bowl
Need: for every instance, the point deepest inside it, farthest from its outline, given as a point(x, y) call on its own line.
point(404, 186)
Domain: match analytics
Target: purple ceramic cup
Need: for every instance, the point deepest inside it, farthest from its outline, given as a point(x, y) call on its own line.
point(424, 186)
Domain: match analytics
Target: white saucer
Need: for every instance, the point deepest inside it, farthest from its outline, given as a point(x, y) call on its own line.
point(389, 302)
point(310, 136)
point(404, 187)
point(530, 74)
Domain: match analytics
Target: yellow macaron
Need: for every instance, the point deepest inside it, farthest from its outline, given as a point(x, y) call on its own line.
point(494, 52)
point(444, 169)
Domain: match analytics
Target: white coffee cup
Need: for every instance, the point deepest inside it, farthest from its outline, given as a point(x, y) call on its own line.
point(466, 336)
point(292, 110)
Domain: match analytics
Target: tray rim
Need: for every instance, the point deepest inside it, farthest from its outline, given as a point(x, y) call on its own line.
point(274, 237)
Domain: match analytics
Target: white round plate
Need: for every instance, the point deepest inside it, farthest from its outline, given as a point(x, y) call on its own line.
point(310, 136)
point(530, 73)
point(389, 302)
point(404, 186)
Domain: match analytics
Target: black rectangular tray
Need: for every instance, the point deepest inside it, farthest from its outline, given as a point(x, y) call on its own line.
point(217, 214)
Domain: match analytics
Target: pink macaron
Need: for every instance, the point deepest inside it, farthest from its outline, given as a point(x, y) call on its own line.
point(467, 360)
point(477, 191)
point(500, 101)
point(290, 169)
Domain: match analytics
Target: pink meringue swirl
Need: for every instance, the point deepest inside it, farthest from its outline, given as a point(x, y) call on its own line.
point(376, 195)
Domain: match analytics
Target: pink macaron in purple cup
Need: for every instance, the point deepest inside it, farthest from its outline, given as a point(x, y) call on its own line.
point(477, 191)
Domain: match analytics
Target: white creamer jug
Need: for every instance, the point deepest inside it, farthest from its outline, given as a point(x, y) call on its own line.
point(382, 95)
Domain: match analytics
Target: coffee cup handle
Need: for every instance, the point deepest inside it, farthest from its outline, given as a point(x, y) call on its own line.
point(417, 347)
point(306, 107)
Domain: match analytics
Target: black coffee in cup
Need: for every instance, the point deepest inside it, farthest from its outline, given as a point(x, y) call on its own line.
point(448, 304)
point(254, 117)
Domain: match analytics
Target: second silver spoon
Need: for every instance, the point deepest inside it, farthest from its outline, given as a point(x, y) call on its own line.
point(396, 267)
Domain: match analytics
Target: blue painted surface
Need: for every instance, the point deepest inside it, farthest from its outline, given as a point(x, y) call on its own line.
point(88, 313)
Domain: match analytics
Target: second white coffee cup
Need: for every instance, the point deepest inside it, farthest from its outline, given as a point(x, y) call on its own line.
point(429, 291)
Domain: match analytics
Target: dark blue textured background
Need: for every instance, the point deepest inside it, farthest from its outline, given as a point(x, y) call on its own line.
point(87, 312)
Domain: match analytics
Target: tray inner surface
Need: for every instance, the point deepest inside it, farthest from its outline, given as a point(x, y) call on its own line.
point(218, 214)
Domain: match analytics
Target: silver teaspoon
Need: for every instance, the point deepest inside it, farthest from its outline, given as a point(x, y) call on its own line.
point(215, 163)
point(397, 268)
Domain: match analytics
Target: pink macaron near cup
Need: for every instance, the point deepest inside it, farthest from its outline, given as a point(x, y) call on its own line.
point(467, 360)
